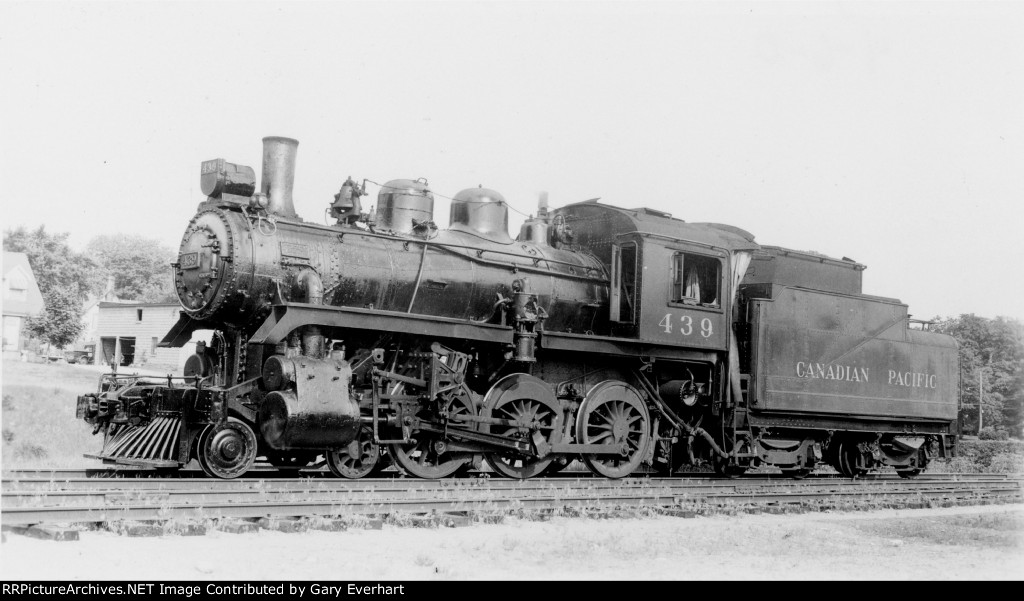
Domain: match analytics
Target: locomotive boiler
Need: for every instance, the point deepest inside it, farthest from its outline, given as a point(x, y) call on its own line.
point(625, 338)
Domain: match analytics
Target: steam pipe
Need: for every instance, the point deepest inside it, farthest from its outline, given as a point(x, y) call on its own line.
point(310, 282)
point(313, 342)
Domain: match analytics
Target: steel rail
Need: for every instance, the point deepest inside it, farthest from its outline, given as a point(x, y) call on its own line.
point(274, 473)
point(12, 485)
point(46, 515)
point(63, 496)
point(36, 507)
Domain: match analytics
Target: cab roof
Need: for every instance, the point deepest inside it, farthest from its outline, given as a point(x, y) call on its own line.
point(596, 221)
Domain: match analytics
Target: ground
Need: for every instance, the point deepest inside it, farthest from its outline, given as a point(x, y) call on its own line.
point(960, 543)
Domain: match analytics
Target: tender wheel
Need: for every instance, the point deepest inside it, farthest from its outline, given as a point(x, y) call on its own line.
point(614, 414)
point(846, 460)
point(523, 397)
point(426, 456)
point(228, 450)
point(358, 459)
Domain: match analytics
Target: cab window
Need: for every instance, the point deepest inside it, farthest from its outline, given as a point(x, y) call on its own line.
point(695, 280)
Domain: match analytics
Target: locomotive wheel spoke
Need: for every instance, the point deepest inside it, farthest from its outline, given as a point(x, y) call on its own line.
point(521, 397)
point(357, 459)
point(614, 414)
point(228, 450)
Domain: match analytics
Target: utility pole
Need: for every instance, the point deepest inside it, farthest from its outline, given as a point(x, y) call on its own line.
point(981, 396)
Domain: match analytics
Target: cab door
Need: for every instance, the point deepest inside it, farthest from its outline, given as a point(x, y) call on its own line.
point(626, 281)
point(685, 295)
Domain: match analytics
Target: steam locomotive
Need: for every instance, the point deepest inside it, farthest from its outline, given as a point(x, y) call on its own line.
point(624, 338)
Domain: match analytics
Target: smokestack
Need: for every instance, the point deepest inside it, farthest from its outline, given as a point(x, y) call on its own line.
point(279, 175)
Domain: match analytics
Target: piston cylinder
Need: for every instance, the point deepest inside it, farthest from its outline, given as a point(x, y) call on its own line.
point(314, 413)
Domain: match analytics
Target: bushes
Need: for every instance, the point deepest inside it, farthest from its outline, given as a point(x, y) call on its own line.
point(1007, 463)
point(986, 456)
point(993, 434)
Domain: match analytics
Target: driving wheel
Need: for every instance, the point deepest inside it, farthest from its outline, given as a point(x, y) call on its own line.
point(426, 455)
point(523, 398)
point(614, 414)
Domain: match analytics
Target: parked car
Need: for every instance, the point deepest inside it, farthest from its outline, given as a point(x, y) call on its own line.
point(84, 357)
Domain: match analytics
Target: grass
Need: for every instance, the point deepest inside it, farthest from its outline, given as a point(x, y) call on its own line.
point(1000, 530)
point(38, 419)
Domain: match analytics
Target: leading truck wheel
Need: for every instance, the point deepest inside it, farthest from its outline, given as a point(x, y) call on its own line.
point(227, 450)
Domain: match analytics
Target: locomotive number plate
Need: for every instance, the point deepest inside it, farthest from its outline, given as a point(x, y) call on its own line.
point(295, 251)
point(190, 260)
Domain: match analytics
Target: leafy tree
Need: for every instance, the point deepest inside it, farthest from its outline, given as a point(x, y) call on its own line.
point(53, 262)
point(992, 370)
point(140, 266)
point(60, 323)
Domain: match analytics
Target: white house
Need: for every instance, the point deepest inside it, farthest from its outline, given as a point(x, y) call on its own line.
point(21, 299)
point(131, 331)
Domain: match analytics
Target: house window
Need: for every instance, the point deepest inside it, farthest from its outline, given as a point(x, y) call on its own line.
point(139, 314)
point(17, 285)
point(152, 348)
point(695, 280)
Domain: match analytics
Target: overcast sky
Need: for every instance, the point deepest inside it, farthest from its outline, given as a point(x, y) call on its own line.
point(889, 133)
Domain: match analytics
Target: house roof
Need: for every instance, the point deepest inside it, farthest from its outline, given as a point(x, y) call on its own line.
point(18, 276)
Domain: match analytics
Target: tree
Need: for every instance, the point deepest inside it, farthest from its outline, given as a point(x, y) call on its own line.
point(60, 322)
point(140, 266)
point(992, 369)
point(53, 262)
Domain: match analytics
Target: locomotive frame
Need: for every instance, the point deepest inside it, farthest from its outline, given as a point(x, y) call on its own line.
point(624, 338)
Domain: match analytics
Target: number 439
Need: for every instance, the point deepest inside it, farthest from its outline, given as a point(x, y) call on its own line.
point(686, 325)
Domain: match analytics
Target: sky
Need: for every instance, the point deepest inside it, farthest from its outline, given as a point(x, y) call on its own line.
point(890, 133)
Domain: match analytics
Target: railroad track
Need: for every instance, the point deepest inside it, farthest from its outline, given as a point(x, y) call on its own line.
point(74, 496)
point(267, 472)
